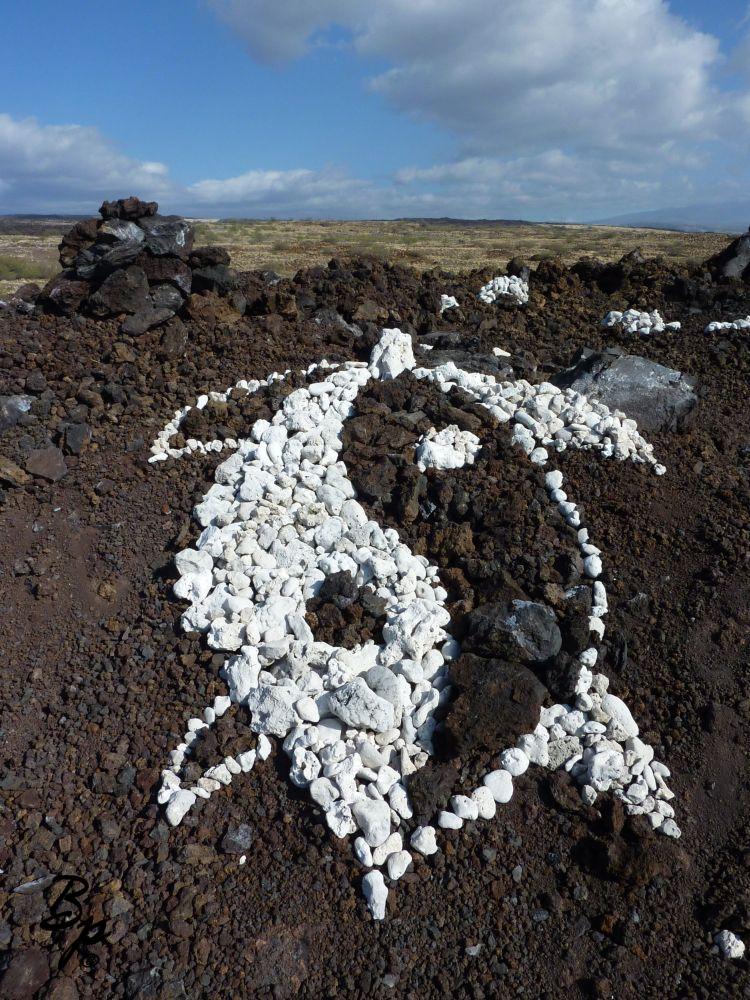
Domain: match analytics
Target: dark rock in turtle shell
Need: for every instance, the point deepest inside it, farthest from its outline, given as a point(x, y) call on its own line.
point(497, 702)
point(520, 629)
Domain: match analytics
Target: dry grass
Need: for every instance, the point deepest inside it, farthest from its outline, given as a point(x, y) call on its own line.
point(24, 258)
point(287, 246)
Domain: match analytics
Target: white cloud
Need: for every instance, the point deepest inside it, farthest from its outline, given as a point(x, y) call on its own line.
point(280, 191)
point(510, 77)
point(278, 30)
point(45, 166)
point(71, 168)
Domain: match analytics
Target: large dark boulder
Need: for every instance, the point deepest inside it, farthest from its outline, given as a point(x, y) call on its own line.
point(167, 234)
point(102, 258)
point(128, 208)
point(218, 278)
point(734, 262)
point(518, 630)
point(656, 397)
point(166, 297)
point(124, 291)
point(209, 257)
point(82, 235)
point(145, 319)
point(119, 231)
point(13, 409)
point(497, 702)
point(64, 293)
point(172, 270)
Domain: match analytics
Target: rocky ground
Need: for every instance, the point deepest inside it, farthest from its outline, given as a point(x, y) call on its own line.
point(97, 677)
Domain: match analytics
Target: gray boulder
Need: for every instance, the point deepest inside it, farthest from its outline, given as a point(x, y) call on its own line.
point(166, 297)
point(658, 398)
point(120, 231)
point(522, 630)
point(124, 291)
point(12, 409)
point(103, 258)
point(145, 319)
point(734, 262)
point(167, 234)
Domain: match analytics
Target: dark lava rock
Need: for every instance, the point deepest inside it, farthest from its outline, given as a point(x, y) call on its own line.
point(430, 788)
point(658, 398)
point(167, 234)
point(218, 278)
point(82, 235)
point(734, 262)
point(120, 231)
point(238, 839)
point(518, 267)
point(77, 436)
point(174, 340)
point(166, 270)
point(26, 975)
point(102, 259)
point(64, 293)
point(166, 297)
point(12, 408)
point(124, 291)
point(339, 588)
point(128, 208)
point(48, 463)
point(145, 319)
point(209, 257)
point(496, 703)
point(29, 292)
point(521, 629)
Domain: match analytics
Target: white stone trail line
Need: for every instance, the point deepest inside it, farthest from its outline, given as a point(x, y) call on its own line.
point(280, 518)
point(737, 324)
point(636, 321)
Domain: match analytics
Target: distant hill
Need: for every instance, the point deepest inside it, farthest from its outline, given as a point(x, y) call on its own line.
point(721, 217)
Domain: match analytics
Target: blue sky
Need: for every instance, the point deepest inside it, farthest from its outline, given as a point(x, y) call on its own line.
point(378, 108)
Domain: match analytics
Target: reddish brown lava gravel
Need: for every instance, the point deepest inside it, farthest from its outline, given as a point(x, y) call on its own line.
point(97, 679)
